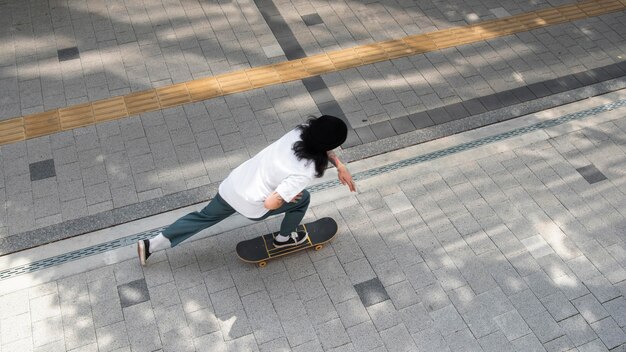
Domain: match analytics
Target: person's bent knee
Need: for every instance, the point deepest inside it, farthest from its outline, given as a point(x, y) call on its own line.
point(306, 198)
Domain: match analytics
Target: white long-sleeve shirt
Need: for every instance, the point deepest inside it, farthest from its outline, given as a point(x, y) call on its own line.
point(274, 168)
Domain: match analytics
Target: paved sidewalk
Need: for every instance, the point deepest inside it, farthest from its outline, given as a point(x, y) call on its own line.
point(77, 181)
point(517, 245)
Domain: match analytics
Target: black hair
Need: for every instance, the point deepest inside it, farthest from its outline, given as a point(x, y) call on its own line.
point(303, 150)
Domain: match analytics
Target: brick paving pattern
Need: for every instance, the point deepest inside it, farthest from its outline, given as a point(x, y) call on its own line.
point(515, 251)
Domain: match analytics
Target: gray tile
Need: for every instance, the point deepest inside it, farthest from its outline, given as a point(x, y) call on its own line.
point(68, 54)
point(609, 332)
point(591, 174)
point(312, 19)
point(371, 292)
point(512, 325)
point(590, 308)
point(577, 330)
point(42, 169)
point(383, 130)
point(133, 293)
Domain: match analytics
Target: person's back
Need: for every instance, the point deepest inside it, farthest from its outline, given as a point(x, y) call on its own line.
point(248, 185)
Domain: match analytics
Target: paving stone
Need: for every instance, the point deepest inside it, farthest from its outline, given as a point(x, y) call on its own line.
point(577, 330)
point(112, 337)
point(571, 286)
point(262, 317)
point(371, 292)
point(528, 343)
point(402, 295)
point(541, 284)
point(16, 328)
point(321, 310)
point(609, 332)
point(512, 325)
point(447, 320)
point(462, 340)
point(559, 306)
point(352, 312)
point(416, 318)
point(235, 325)
point(544, 327)
point(44, 307)
point(299, 331)
point(595, 345)
point(364, 336)
point(167, 295)
point(495, 342)
point(133, 293)
point(384, 315)
point(332, 334)
point(617, 309)
point(47, 331)
point(430, 340)
point(590, 308)
point(397, 338)
point(310, 287)
point(562, 343)
point(602, 289)
point(527, 303)
point(226, 302)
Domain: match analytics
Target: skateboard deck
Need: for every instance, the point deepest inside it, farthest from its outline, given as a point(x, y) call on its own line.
point(260, 249)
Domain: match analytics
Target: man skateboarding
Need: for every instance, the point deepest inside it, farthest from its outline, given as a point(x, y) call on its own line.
point(272, 182)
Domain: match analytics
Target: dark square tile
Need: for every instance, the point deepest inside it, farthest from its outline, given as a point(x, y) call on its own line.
point(523, 94)
point(600, 74)
point(383, 130)
point(507, 98)
point(585, 78)
point(439, 115)
point(133, 293)
point(539, 89)
point(421, 120)
point(371, 292)
point(68, 54)
point(292, 49)
point(42, 170)
point(279, 28)
point(331, 108)
point(352, 140)
point(402, 125)
point(570, 82)
point(591, 174)
point(614, 70)
point(621, 65)
point(365, 134)
point(314, 83)
point(312, 19)
point(474, 107)
point(490, 102)
point(555, 86)
point(457, 111)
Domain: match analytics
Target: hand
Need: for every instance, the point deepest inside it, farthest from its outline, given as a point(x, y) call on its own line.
point(346, 178)
point(273, 201)
point(296, 198)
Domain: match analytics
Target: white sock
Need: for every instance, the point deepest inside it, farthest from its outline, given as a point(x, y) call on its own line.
point(281, 238)
point(159, 242)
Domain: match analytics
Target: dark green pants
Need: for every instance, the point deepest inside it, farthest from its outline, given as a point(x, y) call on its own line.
point(218, 210)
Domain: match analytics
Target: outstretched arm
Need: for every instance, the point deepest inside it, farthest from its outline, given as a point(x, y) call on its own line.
point(344, 175)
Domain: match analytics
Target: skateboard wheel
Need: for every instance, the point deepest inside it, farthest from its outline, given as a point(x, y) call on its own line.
point(318, 247)
point(262, 264)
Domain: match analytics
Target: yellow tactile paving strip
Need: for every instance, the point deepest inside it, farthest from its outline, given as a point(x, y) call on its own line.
point(26, 127)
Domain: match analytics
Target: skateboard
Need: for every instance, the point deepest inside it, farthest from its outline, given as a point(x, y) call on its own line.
point(260, 249)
